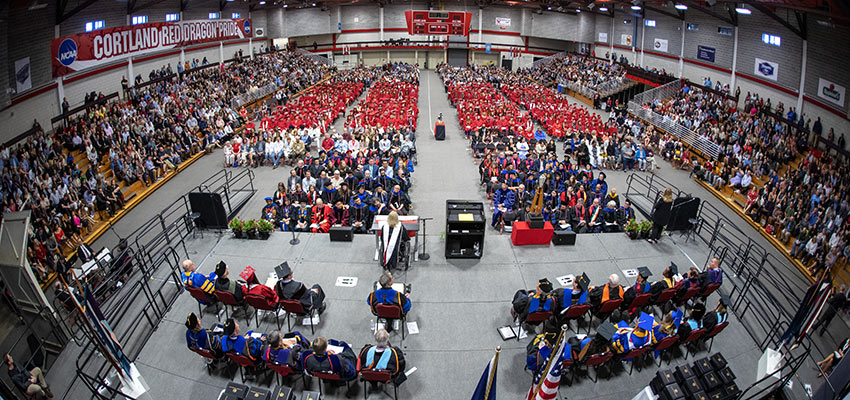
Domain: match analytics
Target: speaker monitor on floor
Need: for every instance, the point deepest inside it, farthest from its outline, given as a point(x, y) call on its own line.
point(341, 233)
point(683, 209)
point(564, 238)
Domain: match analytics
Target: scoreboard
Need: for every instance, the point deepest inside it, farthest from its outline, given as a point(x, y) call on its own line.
point(426, 22)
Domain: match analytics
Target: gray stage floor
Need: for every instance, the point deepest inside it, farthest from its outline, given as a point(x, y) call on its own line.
point(457, 304)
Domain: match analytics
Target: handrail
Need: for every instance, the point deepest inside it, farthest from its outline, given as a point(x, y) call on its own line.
point(84, 107)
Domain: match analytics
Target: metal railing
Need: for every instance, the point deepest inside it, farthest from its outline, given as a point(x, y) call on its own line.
point(314, 57)
point(637, 106)
point(547, 60)
point(253, 94)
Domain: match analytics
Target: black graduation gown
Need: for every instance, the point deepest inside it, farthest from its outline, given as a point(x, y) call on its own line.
point(390, 260)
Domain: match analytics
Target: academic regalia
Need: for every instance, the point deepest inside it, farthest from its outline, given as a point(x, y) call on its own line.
point(390, 240)
point(339, 217)
point(388, 296)
point(320, 221)
point(712, 319)
point(564, 298)
point(289, 355)
point(198, 280)
point(342, 364)
point(399, 202)
point(294, 290)
point(238, 344)
point(229, 285)
point(601, 294)
point(385, 359)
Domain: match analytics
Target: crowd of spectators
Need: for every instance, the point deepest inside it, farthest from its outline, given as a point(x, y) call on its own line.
point(587, 75)
point(364, 171)
point(124, 141)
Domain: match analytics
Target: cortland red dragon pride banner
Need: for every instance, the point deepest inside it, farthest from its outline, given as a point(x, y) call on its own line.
point(86, 50)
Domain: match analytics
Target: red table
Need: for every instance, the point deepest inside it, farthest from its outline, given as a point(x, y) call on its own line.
point(522, 235)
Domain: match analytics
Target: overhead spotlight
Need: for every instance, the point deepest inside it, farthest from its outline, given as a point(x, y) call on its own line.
point(549, 8)
point(680, 6)
point(603, 9)
point(742, 9)
point(262, 3)
point(577, 10)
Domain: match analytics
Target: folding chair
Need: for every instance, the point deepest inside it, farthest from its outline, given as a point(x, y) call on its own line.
point(709, 289)
point(206, 354)
point(380, 376)
point(691, 340)
point(283, 371)
point(665, 296)
point(567, 365)
point(639, 301)
point(575, 312)
point(390, 312)
point(202, 296)
point(329, 376)
point(229, 299)
point(534, 318)
point(605, 309)
point(242, 361)
point(663, 345)
point(714, 332)
point(596, 361)
point(295, 307)
point(689, 294)
point(261, 303)
point(635, 355)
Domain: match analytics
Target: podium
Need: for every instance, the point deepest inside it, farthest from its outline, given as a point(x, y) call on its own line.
point(465, 226)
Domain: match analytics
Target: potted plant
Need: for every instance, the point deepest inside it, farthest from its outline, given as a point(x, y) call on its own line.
point(250, 228)
point(264, 228)
point(236, 226)
point(632, 228)
point(645, 227)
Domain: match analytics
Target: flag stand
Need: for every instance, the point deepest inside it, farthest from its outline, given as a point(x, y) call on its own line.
point(493, 372)
point(552, 357)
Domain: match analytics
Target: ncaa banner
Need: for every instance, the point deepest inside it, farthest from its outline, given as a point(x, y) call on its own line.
point(766, 69)
point(831, 92)
point(86, 50)
point(660, 45)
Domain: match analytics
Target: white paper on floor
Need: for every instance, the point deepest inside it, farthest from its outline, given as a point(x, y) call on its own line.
point(412, 328)
point(410, 371)
point(630, 273)
point(566, 280)
point(307, 321)
point(346, 281)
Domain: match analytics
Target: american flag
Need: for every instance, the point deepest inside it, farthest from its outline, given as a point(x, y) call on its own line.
point(549, 389)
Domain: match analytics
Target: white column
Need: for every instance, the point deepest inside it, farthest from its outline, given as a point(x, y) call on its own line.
point(802, 79)
point(472, 55)
point(642, 43)
point(388, 56)
point(381, 16)
point(734, 62)
point(60, 92)
point(130, 73)
point(128, 20)
point(682, 51)
point(182, 57)
point(611, 39)
point(480, 24)
point(250, 48)
point(339, 19)
point(221, 52)
point(416, 56)
point(56, 31)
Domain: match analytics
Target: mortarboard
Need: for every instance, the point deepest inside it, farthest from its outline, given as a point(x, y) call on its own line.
point(724, 299)
point(583, 281)
point(544, 285)
point(606, 330)
point(646, 321)
point(229, 327)
point(674, 269)
point(644, 272)
point(283, 270)
point(268, 199)
point(220, 268)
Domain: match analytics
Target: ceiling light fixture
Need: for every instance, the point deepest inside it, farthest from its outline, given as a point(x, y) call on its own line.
point(743, 10)
point(603, 9)
point(680, 6)
point(636, 7)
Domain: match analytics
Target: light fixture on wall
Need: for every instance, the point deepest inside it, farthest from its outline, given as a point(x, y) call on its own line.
point(262, 3)
point(636, 7)
point(742, 9)
point(578, 10)
point(680, 6)
point(603, 9)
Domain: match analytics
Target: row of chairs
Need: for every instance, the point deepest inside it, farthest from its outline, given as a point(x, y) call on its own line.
point(663, 346)
point(281, 372)
point(292, 307)
point(578, 312)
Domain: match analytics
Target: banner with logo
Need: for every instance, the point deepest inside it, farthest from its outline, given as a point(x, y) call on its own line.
point(503, 21)
point(831, 92)
point(603, 37)
point(23, 78)
point(767, 69)
point(626, 40)
point(660, 45)
point(705, 53)
point(86, 50)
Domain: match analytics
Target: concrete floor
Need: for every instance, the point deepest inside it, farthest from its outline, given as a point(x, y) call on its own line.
point(457, 304)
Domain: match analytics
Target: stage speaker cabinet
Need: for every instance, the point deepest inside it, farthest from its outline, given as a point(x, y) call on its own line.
point(683, 209)
point(341, 233)
point(564, 238)
point(211, 208)
point(535, 221)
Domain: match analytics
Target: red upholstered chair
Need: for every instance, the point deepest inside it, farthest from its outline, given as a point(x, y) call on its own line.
point(380, 376)
point(663, 345)
point(261, 303)
point(606, 308)
point(229, 299)
point(390, 312)
point(640, 301)
point(567, 365)
point(282, 371)
point(577, 311)
point(714, 332)
point(328, 376)
point(692, 339)
point(709, 289)
point(202, 296)
point(665, 296)
point(535, 318)
point(689, 294)
point(208, 355)
point(635, 355)
point(596, 361)
point(242, 361)
point(294, 307)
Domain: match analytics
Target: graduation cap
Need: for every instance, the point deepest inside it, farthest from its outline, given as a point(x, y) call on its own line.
point(283, 270)
point(644, 272)
point(268, 199)
point(724, 299)
point(606, 331)
point(220, 268)
point(229, 327)
point(646, 321)
point(583, 281)
point(544, 285)
point(674, 269)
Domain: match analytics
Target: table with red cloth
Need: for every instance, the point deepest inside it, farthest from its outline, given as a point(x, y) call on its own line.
point(522, 234)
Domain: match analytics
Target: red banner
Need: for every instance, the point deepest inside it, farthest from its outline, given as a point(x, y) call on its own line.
point(87, 50)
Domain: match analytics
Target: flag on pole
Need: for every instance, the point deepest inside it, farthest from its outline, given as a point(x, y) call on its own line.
point(810, 309)
point(486, 389)
point(549, 389)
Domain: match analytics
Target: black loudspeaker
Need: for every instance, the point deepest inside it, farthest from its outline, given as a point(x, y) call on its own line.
point(535, 221)
point(341, 233)
point(684, 208)
point(210, 207)
point(564, 238)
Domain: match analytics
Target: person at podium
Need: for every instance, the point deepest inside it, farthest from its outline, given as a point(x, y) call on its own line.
point(392, 235)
